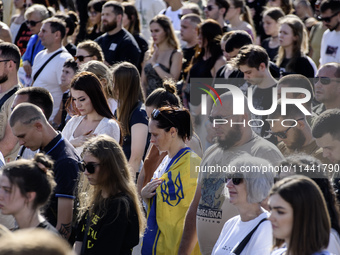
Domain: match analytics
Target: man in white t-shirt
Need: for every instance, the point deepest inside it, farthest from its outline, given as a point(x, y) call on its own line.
point(330, 16)
point(174, 12)
point(210, 208)
point(51, 35)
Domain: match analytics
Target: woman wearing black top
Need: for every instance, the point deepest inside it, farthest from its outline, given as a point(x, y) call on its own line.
point(111, 214)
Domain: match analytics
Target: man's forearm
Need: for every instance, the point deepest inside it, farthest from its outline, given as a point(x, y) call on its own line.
point(64, 218)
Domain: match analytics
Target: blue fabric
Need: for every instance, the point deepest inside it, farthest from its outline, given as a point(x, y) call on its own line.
point(30, 54)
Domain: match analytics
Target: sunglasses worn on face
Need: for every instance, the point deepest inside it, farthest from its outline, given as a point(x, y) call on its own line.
point(235, 178)
point(89, 13)
point(327, 19)
point(324, 80)
point(282, 134)
point(32, 23)
point(89, 166)
point(81, 58)
point(209, 7)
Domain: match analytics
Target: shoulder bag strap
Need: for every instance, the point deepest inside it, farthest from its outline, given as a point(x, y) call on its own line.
point(83, 246)
point(43, 66)
point(7, 95)
point(244, 242)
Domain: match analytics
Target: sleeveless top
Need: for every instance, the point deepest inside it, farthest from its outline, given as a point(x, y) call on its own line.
point(152, 78)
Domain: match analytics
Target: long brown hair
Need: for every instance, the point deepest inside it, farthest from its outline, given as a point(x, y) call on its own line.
point(166, 25)
point(127, 91)
point(114, 177)
point(311, 222)
point(300, 46)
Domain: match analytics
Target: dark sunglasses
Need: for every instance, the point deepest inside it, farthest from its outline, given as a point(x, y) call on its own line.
point(89, 166)
point(32, 23)
point(209, 7)
point(324, 80)
point(212, 118)
point(81, 58)
point(6, 60)
point(155, 113)
point(235, 178)
point(282, 134)
point(327, 19)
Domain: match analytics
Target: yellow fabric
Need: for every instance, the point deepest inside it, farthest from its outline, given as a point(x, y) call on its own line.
point(170, 214)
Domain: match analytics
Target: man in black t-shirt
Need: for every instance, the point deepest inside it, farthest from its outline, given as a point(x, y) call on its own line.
point(117, 44)
point(253, 61)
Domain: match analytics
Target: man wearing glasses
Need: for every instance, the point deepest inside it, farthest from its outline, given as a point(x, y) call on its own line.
point(297, 137)
point(327, 87)
point(330, 16)
point(216, 10)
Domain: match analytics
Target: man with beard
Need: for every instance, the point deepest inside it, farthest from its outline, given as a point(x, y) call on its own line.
point(9, 65)
point(327, 133)
point(330, 16)
point(294, 137)
point(117, 44)
point(327, 89)
point(253, 61)
point(210, 207)
point(9, 146)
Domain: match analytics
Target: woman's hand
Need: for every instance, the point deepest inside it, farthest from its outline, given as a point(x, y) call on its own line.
point(150, 189)
point(80, 140)
point(154, 55)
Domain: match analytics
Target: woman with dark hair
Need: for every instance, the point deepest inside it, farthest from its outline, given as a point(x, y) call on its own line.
point(132, 24)
point(299, 217)
point(247, 189)
point(172, 189)
point(94, 9)
point(111, 216)
point(271, 27)
point(92, 113)
point(305, 163)
point(25, 187)
point(209, 57)
point(240, 18)
point(292, 56)
point(71, 20)
point(164, 59)
point(130, 113)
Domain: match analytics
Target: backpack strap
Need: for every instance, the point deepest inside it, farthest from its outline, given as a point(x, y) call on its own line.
point(244, 242)
point(7, 95)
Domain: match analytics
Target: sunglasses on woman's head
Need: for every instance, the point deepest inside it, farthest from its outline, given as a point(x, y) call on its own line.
point(89, 166)
point(235, 178)
point(81, 58)
point(324, 80)
point(155, 113)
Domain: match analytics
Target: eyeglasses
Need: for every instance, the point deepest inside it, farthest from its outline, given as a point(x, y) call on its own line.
point(327, 19)
point(89, 166)
point(209, 7)
point(235, 178)
point(282, 134)
point(81, 58)
point(32, 23)
point(324, 80)
point(92, 13)
point(212, 118)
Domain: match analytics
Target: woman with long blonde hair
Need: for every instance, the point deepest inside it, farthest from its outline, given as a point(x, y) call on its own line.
point(111, 216)
point(292, 57)
point(164, 59)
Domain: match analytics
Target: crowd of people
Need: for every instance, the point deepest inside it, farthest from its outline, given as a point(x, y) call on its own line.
point(170, 127)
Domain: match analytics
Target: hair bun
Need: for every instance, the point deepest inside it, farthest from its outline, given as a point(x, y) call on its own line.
point(170, 86)
point(43, 162)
